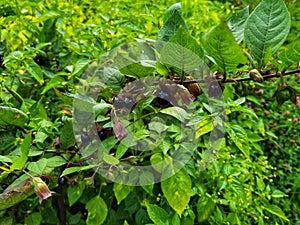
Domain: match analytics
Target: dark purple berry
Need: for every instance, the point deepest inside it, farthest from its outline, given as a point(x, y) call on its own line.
point(162, 97)
point(85, 138)
point(215, 90)
point(162, 94)
point(62, 181)
point(45, 179)
point(128, 103)
point(102, 134)
point(40, 60)
point(4, 186)
point(118, 103)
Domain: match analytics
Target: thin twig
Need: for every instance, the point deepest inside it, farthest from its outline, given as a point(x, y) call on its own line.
point(266, 76)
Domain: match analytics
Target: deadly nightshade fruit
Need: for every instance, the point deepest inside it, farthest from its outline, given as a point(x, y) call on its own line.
point(62, 181)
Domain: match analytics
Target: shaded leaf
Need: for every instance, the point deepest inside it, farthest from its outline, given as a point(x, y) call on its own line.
point(267, 27)
point(289, 56)
point(222, 47)
point(205, 207)
point(184, 39)
point(158, 215)
point(182, 53)
point(171, 26)
point(169, 12)
point(74, 193)
point(34, 219)
point(12, 116)
point(67, 138)
point(237, 24)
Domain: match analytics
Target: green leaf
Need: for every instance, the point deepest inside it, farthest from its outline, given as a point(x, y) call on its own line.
point(158, 215)
point(289, 56)
point(121, 191)
point(184, 39)
point(37, 167)
point(7, 220)
point(12, 116)
point(176, 112)
point(101, 108)
point(260, 184)
point(70, 170)
point(170, 11)
point(223, 48)
point(237, 24)
point(253, 99)
point(67, 138)
point(238, 135)
point(205, 207)
point(182, 52)
point(137, 70)
point(177, 190)
point(56, 81)
point(34, 219)
point(240, 192)
point(171, 26)
point(16, 55)
point(20, 162)
point(121, 150)
point(50, 15)
point(147, 178)
point(16, 95)
point(141, 217)
point(276, 211)
point(80, 66)
point(278, 194)
point(5, 159)
point(109, 159)
point(97, 211)
point(115, 79)
point(55, 161)
point(35, 70)
point(19, 190)
point(74, 193)
point(267, 27)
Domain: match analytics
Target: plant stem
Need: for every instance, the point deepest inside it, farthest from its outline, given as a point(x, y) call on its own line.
point(266, 76)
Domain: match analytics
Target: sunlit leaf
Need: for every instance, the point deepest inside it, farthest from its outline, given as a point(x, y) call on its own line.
point(177, 190)
point(276, 211)
point(97, 211)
